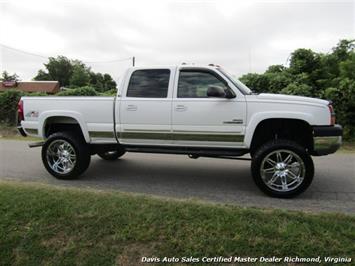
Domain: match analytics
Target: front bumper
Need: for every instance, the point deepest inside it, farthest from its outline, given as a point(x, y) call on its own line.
point(326, 139)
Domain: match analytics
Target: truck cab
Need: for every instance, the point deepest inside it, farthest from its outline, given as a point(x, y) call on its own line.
point(180, 106)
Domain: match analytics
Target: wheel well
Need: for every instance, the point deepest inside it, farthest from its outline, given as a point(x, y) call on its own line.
point(59, 124)
point(291, 129)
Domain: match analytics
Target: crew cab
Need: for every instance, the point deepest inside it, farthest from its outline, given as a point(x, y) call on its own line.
point(199, 111)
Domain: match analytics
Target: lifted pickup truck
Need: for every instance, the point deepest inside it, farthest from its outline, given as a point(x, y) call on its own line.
point(192, 110)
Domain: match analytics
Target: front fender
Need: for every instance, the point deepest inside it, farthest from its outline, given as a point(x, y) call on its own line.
point(259, 117)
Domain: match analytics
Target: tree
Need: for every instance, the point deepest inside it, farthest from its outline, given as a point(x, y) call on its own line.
point(278, 81)
point(102, 82)
point(74, 73)
point(297, 89)
point(343, 49)
point(59, 68)
point(42, 75)
point(5, 76)
point(97, 80)
point(109, 83)
point(343, 98)
point(304, 61)
point(275, 69)
point(347, 67)
point(80, 76)
point(256, 82)
point(330, 76)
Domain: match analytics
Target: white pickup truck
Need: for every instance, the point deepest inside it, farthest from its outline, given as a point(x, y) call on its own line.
point(199, 111)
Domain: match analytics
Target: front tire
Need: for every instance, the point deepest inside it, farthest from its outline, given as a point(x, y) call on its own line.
point(65, 155)
point(282, 168)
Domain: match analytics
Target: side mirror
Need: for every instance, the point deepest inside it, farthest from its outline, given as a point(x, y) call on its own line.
point(216, 91)
point(219, 92)
point(229, 93)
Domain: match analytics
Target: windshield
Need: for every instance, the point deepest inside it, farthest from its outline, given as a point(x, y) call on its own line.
point(236, 82)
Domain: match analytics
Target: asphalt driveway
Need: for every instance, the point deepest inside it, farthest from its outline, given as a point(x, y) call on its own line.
point(177, 176)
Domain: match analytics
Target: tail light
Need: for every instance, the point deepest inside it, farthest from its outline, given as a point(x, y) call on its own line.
point(20, 115)
point(332, 114)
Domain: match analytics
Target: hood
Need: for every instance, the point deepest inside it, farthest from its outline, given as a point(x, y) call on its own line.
point(288, 98)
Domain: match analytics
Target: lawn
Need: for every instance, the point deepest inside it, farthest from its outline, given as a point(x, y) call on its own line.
point(348, 147)
point(59, 226)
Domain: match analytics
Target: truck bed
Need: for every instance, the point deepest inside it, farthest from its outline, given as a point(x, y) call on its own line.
point(93, 113)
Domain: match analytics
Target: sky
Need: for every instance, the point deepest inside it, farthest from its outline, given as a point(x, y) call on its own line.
point(242, 36)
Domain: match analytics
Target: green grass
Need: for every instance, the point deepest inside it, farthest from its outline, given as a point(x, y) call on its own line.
point(10, 133)
point(21, 138)
point(59, 226)
point(348, 147)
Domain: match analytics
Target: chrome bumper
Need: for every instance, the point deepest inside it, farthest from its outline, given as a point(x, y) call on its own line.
point(326, 140)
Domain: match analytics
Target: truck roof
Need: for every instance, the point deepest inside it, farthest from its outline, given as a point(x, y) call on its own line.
point(209, 66)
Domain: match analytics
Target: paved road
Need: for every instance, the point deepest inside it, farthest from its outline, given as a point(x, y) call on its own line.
point(177, 176)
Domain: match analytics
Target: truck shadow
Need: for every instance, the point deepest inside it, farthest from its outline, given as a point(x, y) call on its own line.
point(173, 175)
point(220, 180)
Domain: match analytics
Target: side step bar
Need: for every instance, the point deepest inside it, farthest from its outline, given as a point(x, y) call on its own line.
point(191, 151)
point(193, 156)
point(36, 144)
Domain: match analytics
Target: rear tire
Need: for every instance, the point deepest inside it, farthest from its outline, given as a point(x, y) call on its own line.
point(282, 168)
point(112, 155)
point(65, 155)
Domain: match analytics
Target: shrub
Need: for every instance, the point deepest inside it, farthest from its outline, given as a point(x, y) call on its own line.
point(39, 93)
point(297, 89)
point(8, 106)
point(112, 92)
point(81, 91)
point(10, 98)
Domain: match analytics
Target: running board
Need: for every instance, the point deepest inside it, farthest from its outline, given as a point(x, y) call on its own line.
point(219, 157)
point(36, 144)
point(193, 151)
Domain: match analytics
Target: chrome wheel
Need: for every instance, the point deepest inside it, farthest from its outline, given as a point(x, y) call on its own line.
point(61, 156)
point(282, 170)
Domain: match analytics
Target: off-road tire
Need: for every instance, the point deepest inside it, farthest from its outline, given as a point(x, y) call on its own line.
point(82, 152)
point(274, 145)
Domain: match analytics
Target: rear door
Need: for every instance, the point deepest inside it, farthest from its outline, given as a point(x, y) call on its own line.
point(145, 107)
point(204, 121)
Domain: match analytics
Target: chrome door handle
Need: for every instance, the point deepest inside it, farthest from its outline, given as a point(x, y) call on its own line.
point(180, 108)
point(131, 107)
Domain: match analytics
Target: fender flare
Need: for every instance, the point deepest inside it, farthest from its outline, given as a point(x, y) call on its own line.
point(70, 114)
point(257, 118)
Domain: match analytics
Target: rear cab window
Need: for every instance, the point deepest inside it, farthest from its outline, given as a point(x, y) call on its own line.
point(149, 83)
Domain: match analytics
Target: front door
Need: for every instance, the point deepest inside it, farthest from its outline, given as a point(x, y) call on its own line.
point(199, 120)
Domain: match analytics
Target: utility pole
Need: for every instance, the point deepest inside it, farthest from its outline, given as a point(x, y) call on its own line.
point(133, 60)
point(249, 59)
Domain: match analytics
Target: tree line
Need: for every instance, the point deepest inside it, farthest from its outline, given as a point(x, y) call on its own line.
point(321, 75)
point(328, 76)
point(73, 74)
point(70, 74)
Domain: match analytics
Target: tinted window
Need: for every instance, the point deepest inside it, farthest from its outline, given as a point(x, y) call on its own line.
point(194, 84)
point(151, 83)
